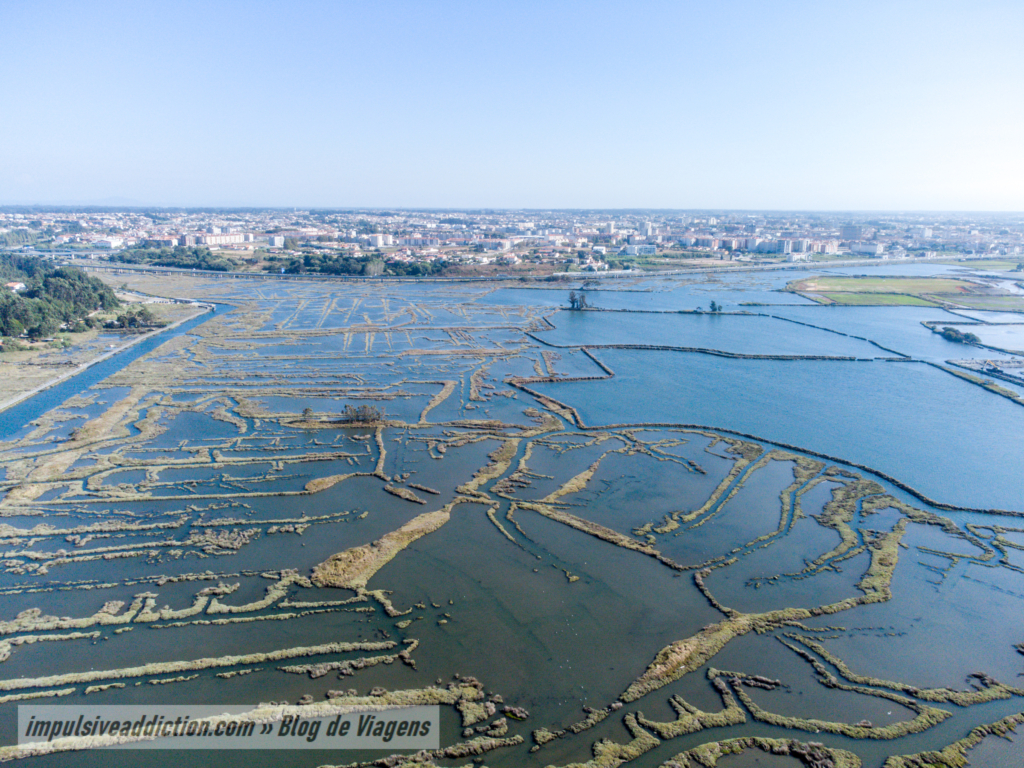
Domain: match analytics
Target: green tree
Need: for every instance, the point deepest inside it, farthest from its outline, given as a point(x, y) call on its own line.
point(953, 334)
point(363, 414)
point(197, 257)
point(47, 326)
point(54, 296)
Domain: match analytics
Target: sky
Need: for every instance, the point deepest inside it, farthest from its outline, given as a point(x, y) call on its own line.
point(737, 104)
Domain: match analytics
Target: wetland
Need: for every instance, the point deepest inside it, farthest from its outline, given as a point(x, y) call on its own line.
point(788, 533)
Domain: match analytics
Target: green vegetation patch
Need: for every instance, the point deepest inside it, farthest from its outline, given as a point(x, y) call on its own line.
point(991, 265)
point(878, 299)
point(53, 298)
point(183, 258)
point(908, 285)
point(1006, 303)
point(955, 334)
point(370, 264)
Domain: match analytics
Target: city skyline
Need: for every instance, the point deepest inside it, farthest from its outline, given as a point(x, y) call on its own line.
point(906, 106)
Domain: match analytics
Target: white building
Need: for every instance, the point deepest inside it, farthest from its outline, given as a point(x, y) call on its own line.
point(220, 239)
point(867, 248)
point(640, 250)
point(421, 241)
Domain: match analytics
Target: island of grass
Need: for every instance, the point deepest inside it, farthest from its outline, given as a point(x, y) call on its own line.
point(872, 299)
point(894, 291)
point(989, 265)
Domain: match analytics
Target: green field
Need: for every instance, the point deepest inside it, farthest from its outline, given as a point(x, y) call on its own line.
point(877, 299)
point(992, 265)
point(989, 302)
point(911, 285)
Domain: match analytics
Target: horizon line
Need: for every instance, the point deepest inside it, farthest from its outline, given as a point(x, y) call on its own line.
point(484, 208)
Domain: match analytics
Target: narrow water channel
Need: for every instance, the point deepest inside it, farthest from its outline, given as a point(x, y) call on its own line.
point(17, 416)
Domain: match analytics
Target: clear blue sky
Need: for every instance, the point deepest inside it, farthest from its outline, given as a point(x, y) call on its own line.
point(782, 104)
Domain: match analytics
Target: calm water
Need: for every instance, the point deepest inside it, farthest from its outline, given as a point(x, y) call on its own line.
point(748, 335)
point(507, 611)
point(898, 328)
point(949, 439)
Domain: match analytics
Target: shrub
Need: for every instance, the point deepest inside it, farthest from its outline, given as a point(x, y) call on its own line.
point(363, 414)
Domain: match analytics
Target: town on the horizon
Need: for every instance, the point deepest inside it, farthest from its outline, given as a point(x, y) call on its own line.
point(429, 242)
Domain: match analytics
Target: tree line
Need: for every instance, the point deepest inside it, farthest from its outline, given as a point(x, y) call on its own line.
point(194, 257)
point(17, 237)
point(370, 264)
